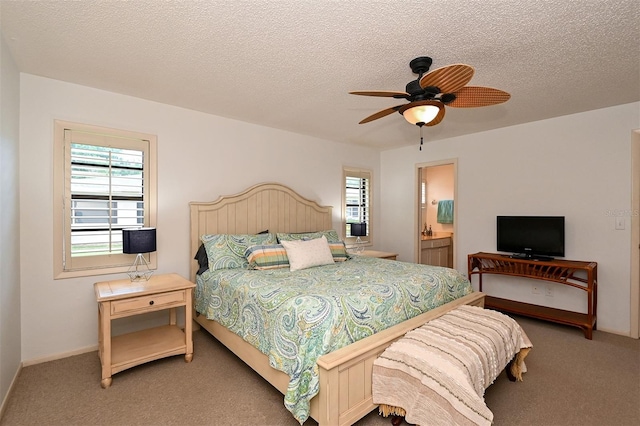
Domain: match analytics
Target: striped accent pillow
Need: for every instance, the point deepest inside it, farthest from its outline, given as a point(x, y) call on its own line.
point(339, 251)
point(267, 257)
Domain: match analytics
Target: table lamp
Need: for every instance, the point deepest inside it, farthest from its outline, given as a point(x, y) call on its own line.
point(139, 241)
point(359, 230)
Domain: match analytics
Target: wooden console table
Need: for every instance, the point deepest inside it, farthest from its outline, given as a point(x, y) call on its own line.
point(566, 272)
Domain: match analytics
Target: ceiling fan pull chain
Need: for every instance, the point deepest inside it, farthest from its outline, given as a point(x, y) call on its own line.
point(420, 138)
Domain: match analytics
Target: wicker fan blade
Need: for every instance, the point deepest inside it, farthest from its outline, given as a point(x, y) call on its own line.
point(448, 79)
point(383, 93)
point(477, 96)
point(381, 114)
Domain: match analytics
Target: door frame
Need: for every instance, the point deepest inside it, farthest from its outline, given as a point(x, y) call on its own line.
point(635, 236)
point(417, 207)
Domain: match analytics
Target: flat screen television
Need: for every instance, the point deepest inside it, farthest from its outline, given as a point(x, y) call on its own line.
point(535, 237)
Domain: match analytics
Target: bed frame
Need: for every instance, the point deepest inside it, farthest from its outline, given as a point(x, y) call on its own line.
point(345, 374)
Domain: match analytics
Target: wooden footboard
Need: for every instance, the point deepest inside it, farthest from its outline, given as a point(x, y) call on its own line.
point(345, 374)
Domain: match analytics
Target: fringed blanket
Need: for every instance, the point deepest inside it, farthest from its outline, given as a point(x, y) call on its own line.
point(437, 373)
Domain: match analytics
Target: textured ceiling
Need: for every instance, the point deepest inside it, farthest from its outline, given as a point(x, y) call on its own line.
point(289, 64)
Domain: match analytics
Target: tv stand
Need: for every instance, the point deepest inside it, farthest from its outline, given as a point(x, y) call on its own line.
point(559, 271)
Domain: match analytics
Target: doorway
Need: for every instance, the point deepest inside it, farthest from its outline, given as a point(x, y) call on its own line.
point(435, 225)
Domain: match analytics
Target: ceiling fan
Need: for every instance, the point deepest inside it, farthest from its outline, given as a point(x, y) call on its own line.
point(431, 91)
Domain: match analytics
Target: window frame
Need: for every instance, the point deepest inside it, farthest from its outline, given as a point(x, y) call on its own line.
point(64, 266)
point(362, 174)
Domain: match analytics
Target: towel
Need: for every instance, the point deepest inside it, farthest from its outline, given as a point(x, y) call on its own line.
point(445, 211)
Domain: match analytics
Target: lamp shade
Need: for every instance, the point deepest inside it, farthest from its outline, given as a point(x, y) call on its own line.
point(138, 240)
point(359, 229)
point(423, 112)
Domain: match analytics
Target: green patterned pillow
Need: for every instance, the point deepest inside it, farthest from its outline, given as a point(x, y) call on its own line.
point(226, 251)
point(331, 235)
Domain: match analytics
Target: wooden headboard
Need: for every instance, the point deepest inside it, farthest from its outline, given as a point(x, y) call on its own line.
point(266, 206)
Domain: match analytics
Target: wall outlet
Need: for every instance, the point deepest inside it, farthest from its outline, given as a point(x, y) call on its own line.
point(548, 290)
point(535, 289)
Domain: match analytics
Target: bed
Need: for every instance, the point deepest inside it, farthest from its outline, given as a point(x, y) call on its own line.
point(337, 387)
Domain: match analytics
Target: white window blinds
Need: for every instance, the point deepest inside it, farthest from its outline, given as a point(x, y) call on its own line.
point(107, 195)
point(105, 182)
point(357, 199)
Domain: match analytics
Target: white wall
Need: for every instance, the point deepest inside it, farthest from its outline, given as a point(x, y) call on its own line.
point(577, 166)
point(200, 157)
point(10, 356)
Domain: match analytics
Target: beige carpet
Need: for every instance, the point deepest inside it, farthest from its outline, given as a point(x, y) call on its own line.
point(571, 381)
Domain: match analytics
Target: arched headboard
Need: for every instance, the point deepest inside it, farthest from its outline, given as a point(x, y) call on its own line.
point(266, 206)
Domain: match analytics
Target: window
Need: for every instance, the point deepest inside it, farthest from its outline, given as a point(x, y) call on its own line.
point(104, 181)
point(357, 202)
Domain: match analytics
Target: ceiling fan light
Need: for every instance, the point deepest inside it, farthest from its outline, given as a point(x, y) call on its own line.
point(421, 114)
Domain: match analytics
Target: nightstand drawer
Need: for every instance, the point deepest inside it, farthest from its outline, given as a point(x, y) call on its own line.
point(154, 301)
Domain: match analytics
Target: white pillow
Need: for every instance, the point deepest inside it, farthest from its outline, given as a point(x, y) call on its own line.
point(305, 254)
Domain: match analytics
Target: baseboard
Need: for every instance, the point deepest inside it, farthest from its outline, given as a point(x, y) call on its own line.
point(619, 333)
point(59, 356)
point(10, 391)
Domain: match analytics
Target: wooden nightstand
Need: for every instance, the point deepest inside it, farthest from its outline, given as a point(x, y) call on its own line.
point(123, 298)
point(380, 254)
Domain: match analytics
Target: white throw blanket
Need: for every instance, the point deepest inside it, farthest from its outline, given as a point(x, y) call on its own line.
point(437, 373)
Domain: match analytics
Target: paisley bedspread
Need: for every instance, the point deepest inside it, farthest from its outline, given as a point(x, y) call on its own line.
point(296, 317)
